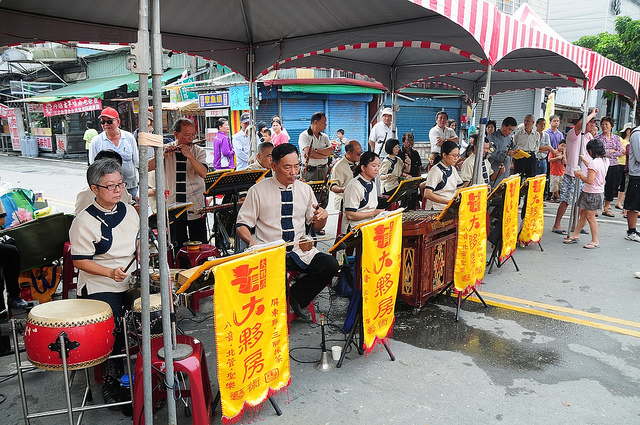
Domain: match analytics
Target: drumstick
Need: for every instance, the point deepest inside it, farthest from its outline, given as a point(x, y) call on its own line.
point(130, 263)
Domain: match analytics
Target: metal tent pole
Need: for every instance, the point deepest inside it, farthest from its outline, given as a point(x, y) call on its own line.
point(477, 165)
point(142, 68)
point(253, 136)
point(573, 216)
point(394, 105)
point(165, 290)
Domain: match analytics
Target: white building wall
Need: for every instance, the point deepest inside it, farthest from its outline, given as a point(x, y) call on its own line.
point(573, 19)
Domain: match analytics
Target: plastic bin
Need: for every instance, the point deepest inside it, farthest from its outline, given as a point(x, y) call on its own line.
point(29, 146)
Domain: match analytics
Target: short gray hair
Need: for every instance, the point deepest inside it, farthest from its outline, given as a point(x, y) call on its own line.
point(101, 168)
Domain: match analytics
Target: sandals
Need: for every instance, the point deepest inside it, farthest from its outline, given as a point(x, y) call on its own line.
point(559, 231)
point(591, 245)
point(571, 240)
point(608, 213)
point(619, 207)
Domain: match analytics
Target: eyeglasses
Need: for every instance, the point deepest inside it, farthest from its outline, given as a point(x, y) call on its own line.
point(455, 155)
point(112, 187)
point(103, 122)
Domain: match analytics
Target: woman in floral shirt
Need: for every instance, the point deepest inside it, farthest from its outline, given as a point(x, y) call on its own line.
point(613, 148)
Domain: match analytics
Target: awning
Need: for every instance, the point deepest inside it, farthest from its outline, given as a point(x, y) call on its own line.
point(169, 74)
point(93, 88)
point(189, 107)
point(329, 89)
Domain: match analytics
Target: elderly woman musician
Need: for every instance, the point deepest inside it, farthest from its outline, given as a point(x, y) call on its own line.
point(103, 243)
point(360, 195)
point(442, 180)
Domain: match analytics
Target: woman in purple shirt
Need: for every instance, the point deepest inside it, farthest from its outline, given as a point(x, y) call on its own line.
point(223, 154)
point(613, 149)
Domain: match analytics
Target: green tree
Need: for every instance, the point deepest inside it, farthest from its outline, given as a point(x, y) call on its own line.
point(622, 47)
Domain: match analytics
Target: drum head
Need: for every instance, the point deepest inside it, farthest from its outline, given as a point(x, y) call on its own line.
point(65, 313)
point(155, 303)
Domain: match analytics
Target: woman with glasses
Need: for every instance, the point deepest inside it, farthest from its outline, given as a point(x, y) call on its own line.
point(120, 141)
point(391, 168)
point(442, 180)
point(103, 243)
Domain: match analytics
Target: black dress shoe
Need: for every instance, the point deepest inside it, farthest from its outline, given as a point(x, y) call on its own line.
point(111, 391)
point(301, 312)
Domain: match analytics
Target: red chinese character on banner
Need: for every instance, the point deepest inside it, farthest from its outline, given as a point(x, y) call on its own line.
point(251, 305)
point(512, 190)
point(537, 186)
point(245, 279)
point(383, 285)
point(253, 363)
point(475, 223)
point(383, 261)
point(385, 307)
point(474, 202)
point(249, 337)
point(383, 235)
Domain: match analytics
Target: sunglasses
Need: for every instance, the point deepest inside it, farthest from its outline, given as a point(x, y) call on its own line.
point(103, 122)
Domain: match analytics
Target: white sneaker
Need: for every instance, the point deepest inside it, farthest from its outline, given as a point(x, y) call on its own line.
point(633, 237)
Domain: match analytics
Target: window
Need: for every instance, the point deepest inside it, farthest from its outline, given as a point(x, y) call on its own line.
point(509, 6)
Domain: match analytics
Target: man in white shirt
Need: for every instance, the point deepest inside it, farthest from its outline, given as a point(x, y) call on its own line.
point(381, 132)
point(282, 207)
point(316, 148)
point(439, 134)
point(241, 143)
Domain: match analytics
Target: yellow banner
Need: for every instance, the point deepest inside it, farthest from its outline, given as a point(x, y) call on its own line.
point(533, 224)
point(381, 249)
point(252, 341)
point(510, 216)
point(471, 254)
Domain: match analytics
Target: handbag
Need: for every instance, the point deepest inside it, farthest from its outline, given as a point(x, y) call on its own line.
point(19, 205)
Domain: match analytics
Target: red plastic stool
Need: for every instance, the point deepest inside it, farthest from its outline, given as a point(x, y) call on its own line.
point(291, 316)
point(196, 258)
point(194, 366)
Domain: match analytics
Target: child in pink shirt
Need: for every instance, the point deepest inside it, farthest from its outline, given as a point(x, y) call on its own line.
point(592, 195)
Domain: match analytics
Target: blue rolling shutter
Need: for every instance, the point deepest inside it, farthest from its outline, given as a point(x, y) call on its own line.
point(267, 109)
point(296, 115)
point(351, 116)
point(421, 119)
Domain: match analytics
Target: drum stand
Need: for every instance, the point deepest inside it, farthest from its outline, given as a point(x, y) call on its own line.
point(461, 299)
point(87, 397)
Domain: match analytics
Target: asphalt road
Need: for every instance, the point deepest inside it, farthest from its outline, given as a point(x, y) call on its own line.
point(559, 342)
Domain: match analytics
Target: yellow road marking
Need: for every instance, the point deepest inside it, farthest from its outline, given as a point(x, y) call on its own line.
point(561, 317)
point(563, 309)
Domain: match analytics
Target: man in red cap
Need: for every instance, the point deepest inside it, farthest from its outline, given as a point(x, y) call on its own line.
point(121, 142)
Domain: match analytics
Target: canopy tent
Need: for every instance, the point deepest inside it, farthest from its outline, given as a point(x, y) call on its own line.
point(94, 88)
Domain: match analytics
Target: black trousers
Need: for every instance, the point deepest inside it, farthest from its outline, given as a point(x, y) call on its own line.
point(197, 232)
point(317, 276)
point(526, 167)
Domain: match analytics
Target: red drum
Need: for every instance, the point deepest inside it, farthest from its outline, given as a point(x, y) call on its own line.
point(155, 312)
point(88, 328)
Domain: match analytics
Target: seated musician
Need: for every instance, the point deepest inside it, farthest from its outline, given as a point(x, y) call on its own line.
point(263, 158)
point(103, 242)
point(85, 197)
point(360, 196)
point(466, 173)
point(281, 208)
point(442, 180)
point(342, 171)
point(184, 170)
point(392, 168)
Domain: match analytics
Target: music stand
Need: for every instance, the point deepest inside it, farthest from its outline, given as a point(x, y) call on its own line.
point(354, 237)
point(450, 212)
point(230, 183)
point(404, 189)
point(174, 210)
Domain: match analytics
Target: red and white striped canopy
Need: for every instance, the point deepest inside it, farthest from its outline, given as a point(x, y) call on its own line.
point(394, 41)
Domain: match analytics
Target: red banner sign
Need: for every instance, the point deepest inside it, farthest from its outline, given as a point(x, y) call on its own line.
point(71, 106)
